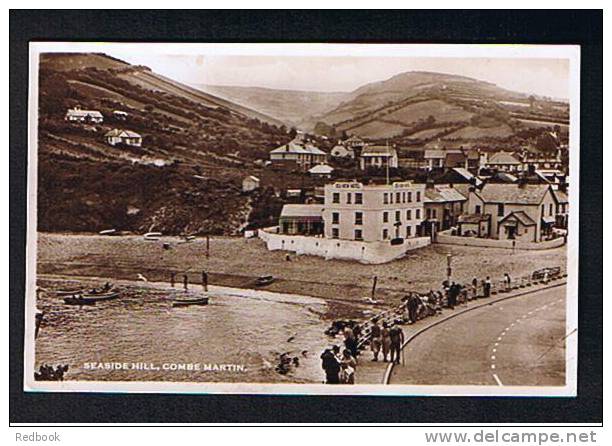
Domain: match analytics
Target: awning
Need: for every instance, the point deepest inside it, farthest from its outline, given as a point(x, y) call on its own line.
point(548, 220)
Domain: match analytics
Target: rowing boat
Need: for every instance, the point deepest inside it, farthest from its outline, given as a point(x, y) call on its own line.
point(183, 302)
point(90, 299)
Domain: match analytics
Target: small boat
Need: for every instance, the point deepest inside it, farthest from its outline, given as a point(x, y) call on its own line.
point(90, 299)
point(152, 236)
point(186, 301)
point(70, 292)
point(264, 280)
point(108, 232)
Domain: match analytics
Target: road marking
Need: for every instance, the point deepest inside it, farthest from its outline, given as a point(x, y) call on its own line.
point(493, 358)
point(493, 366)
point(499, 339)
point(496, 344)
point(494, 350)
point(499, 383)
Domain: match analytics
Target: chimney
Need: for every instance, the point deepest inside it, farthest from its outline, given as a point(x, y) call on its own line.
point(430, 183)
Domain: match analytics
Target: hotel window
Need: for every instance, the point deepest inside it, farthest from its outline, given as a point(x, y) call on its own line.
point(358, 235)
point(398, 197)
point(385, 198)
point(391, 197)
point(418, 196)
point(336, 198)
point(434, 213)
point(348, 198)
point(335, 233)
point(385, 234)
point(358, 198)
point(417, 214)
point(385, 217)
point(335, 218)
point(409, 197)
point(428, 214)
point(408, 231)
point(397, 215)
point(403, 197)
point(500, 210)
point(358, 218)
point(409, 214)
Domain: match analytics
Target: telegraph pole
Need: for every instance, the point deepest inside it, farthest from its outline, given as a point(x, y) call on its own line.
point(449, 270)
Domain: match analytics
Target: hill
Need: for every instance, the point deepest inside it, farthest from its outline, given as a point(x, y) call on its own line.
point(292, 107)
point(420, 107)
point(185, 178)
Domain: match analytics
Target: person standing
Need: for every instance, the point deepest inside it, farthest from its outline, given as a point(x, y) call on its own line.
point(397, 340)
point(348, 366)
point(386, 341)
point(350, 342)
point(487, 287)
point(331, 365)
point(474, 288)
point(413, 306)
point(375, 339)
point(507, 281)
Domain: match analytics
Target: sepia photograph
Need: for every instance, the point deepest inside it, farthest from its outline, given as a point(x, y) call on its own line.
point(313, 219)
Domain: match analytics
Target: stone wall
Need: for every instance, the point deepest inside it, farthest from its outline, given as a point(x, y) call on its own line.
point(364, 252)
point(445, 238)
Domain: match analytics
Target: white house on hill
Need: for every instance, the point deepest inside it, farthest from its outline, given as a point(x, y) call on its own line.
point(125, 137)
point(85, 116)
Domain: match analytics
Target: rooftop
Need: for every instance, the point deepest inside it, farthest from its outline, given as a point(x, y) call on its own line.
point(513, 193)
point(302, 210)
point(321, 169)
point(503, 158)
point(379, 151)
point(442, 194)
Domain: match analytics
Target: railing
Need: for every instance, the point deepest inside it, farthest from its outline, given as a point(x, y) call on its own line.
point(391, 316)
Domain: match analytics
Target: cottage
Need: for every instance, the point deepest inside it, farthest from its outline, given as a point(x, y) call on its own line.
point(301, 219)
point(298, 152)
point(340, 151)
point(378, 156)
point(120, 115)
point(84, 116)
point(533, 206)
point(443, 206)
point(474, 225)
point(504, 161)
point(434, 158)
point(123, 137)
point(250, 183)
point(321, 171)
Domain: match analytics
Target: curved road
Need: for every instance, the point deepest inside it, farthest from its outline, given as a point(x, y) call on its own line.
point(520, 341)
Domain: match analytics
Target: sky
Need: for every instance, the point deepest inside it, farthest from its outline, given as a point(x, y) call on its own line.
point(540, 76)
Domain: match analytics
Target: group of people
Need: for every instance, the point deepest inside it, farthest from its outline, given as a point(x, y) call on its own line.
point(50, 373)
point(339, 368)
point(388, 339)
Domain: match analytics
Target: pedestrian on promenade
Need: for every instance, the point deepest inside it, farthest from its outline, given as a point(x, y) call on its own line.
point(487, 287)
point(397, 340)
point(375, 339)
point(386, 341)
point(350, 342)
point(331, 365)
point(474, 288)
point(507, 281)
point(452, 296)
point(347, 368)
point(413, 306)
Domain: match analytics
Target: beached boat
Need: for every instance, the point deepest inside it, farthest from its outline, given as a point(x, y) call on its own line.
point(69, 292)
point(186, 301)
point(264, 280)
point(90, 299)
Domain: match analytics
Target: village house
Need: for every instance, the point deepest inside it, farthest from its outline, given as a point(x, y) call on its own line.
point(84, 116)
point(301, 219)
point(443, 205)
point(562, 208)
point(250, 183)
point(343, 152)
point(378, 156)
point(120, 115)
point(518, 211)
point(298, 152)
point(321, 171)
point(373, 213)
point(504, 161)
point(123, 137)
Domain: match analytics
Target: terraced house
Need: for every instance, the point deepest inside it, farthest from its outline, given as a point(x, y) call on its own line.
point(373, 213)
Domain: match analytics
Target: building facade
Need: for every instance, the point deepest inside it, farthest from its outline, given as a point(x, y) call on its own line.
point(298, 153)
point(377, 157)
point(373, 213)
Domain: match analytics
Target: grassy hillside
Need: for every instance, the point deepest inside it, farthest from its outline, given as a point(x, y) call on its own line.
point(86, 184)
point(291, 107)
point(417, 107)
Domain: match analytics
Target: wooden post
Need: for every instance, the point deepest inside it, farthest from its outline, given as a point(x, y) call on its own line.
point(185, 281)
point(205, 280)
point(374, 286)
point(207, 246)
point(172, 277)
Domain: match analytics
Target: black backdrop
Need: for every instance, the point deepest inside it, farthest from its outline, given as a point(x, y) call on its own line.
point(537, 27)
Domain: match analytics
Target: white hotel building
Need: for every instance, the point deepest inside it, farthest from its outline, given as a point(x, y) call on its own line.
point(373, 213)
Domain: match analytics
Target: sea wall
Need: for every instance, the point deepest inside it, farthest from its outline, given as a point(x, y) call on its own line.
point(364, 252)
point(445, 238)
